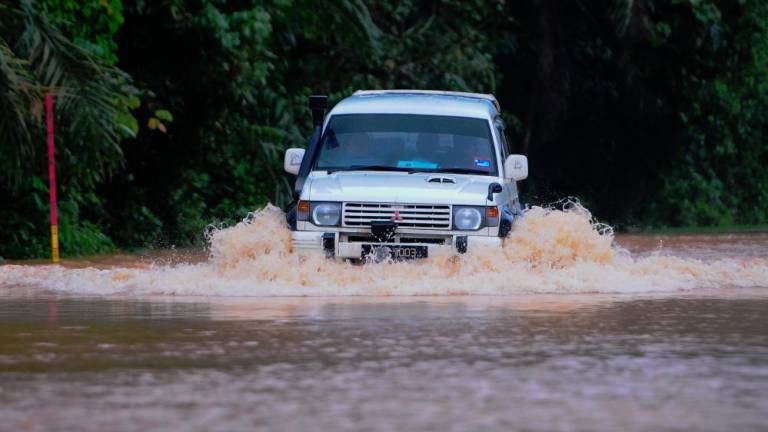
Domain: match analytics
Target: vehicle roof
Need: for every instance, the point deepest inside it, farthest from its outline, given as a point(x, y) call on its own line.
point(425, 102)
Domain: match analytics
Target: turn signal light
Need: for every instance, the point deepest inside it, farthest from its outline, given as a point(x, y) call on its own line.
point(491, 212)
point(303, 207)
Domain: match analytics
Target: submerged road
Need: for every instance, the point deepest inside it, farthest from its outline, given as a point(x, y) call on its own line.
point(529, 363)
point(690, 360)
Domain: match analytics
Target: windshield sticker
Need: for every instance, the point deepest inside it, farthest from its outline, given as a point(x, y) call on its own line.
point(482, 163)
point(416, 164)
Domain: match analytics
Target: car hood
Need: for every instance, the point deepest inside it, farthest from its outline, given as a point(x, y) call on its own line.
point(398, 187)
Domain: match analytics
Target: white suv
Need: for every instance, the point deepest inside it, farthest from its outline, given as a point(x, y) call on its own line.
point(404, 174)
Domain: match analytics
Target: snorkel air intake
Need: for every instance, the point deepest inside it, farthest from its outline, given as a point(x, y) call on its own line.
point(317, 104)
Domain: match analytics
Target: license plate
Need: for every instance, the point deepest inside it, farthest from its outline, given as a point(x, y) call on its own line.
point(397, 253)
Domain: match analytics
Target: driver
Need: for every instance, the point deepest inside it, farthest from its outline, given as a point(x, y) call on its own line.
point(464, 152)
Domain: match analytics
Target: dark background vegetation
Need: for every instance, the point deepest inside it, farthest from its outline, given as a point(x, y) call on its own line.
point(173, 114)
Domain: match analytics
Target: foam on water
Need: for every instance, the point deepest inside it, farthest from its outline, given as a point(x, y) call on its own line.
point(549, 251)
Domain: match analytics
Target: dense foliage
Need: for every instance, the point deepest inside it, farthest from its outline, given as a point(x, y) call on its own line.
point(173, 114)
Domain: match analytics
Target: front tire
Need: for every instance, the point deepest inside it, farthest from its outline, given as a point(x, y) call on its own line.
point(290, 216)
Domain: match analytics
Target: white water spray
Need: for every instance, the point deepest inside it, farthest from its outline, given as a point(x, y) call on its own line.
point(549, 251)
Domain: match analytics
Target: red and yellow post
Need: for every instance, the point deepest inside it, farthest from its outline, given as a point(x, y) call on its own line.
point(52, 181)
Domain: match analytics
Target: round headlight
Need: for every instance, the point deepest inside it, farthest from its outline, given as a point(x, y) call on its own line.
point(467, 219)
point(326, 214)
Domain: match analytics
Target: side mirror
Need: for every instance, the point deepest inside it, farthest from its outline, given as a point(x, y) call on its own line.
point(493, 188)
point(516, 167)
point(292, 161)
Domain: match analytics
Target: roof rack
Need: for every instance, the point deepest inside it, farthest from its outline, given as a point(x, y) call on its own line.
point(488, 97)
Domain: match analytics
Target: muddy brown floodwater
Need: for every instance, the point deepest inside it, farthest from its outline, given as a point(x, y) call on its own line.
point(647, 333)
point(543, 362)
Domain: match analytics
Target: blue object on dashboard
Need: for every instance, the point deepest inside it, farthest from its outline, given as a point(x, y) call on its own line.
point(482, 163)
point(416, 164)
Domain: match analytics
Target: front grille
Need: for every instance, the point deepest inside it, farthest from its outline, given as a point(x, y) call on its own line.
point(367, 239)
point(398, 239)
point(423, 240)
point(410, 215)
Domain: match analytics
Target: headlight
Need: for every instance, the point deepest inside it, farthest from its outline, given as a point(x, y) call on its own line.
point(326, 214)
point(467, 218)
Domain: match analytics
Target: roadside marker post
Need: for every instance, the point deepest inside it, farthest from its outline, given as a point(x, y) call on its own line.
point(52, 181)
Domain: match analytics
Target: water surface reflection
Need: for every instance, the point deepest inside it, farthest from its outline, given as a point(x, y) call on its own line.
point(522, 362)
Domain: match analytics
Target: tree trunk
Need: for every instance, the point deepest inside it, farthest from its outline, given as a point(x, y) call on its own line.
point(548, 105)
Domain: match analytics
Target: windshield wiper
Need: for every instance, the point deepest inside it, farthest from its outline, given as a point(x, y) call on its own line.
point(368, 168)
point(408, 170)
point(450, 170)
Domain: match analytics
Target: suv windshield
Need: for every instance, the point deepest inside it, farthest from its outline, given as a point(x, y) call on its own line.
point(407, 142)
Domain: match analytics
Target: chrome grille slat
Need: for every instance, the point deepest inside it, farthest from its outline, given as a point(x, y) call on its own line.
point(413, 215)
point(402, 210)
point(403, 214)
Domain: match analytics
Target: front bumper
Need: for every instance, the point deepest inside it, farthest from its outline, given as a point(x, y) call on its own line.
point(336, 244)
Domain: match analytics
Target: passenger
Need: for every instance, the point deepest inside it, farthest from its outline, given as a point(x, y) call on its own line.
point(358, 145)
point(357, 149)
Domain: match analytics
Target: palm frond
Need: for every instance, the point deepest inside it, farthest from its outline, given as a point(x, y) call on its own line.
point(20, 104)
point(90, 94)
point(89, 88)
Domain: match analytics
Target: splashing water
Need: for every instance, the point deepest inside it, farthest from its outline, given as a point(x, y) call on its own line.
point(549, 251)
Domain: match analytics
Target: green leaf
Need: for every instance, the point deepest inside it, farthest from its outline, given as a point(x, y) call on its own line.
point(133, 102)
point(164, 115)
point(127, 125)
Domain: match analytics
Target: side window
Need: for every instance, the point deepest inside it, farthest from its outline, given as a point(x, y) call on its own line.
point(504, 146)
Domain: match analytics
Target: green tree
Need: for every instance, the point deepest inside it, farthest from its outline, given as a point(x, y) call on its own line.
point(651, 111)
point(237, 77)
point(93, 102)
